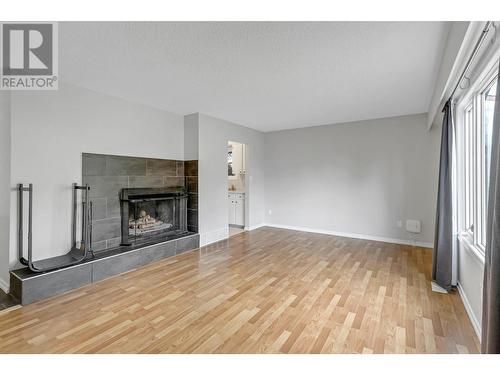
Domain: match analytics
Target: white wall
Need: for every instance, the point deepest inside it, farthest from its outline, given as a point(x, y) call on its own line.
point(5, 99)
point(357, 178)
point(212, 169)
point(470, 282)
point(50, 130)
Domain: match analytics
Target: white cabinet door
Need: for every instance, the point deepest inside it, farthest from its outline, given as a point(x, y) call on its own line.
point(232, 150)
point(237, 159)
point(239, 212)
point(231, 209)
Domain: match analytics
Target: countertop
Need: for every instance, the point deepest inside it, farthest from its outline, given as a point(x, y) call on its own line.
point(236, 191)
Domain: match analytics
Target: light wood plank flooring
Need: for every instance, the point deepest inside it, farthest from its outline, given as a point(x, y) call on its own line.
point(265, 291)
point(234, 231)
point(6, 300)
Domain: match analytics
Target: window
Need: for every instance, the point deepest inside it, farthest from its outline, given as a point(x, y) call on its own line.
point(476, 146)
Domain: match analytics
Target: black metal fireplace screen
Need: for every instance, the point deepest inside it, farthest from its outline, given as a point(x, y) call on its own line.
point(153, 214)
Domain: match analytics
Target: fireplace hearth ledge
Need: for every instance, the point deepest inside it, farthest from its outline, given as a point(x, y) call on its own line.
point(29, 287)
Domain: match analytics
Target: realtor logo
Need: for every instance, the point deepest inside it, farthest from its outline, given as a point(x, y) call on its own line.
point(28, 56)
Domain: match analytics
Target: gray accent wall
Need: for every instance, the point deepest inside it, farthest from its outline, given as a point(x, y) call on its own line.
point(357, 178)
point(107, 175)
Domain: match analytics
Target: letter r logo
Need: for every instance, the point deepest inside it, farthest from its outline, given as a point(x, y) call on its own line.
point(27, 49)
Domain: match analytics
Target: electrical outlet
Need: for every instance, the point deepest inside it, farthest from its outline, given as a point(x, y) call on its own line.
point(413, 226)
point(399, 223)
point(270, 212)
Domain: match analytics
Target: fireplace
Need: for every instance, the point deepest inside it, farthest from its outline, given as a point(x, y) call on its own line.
point(152, 215)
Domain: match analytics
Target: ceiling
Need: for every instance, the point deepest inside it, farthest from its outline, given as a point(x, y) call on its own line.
point(264, 75)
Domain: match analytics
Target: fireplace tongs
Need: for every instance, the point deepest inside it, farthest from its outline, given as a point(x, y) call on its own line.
point(76, 254)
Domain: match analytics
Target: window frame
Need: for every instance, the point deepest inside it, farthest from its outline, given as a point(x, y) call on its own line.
point(472, 188)
point(469, 169)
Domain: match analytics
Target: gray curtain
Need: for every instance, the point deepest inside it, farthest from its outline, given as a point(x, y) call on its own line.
point(443, 240)
point(490, 342)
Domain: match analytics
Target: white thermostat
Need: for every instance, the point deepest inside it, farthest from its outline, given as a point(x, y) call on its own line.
point(413, 226)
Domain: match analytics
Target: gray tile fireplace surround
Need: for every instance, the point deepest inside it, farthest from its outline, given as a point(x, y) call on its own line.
point(29, 287)
point(108, 174)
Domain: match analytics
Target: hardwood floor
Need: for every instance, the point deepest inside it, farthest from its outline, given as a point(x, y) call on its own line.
point(265, 291)
point(234, 231)
point(6, 300)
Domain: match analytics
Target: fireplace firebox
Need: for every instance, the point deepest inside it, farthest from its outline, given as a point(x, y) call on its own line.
point(153, 214)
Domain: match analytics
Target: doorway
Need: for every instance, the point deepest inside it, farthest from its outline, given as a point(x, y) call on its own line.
point(236, 187)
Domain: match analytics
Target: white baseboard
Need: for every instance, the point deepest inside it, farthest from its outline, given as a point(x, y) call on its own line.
point(253, 227)
point(208, 238)
point(4, 286)
point(352, 235)
point(473, 319)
